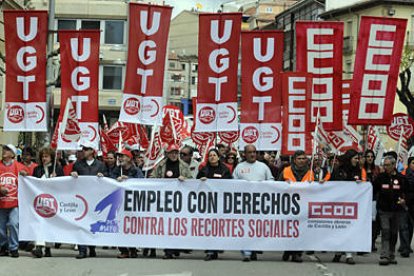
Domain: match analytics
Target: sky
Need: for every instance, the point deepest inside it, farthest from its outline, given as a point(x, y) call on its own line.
point(207, 5)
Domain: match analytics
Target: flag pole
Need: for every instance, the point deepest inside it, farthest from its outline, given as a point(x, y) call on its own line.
point(150, 148)
point(314, 143)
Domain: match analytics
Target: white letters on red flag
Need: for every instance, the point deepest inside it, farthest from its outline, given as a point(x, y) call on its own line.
point(377, 61)
point(172, 126)
point(79, 51)
point(25, 38)
point(296, 130)
point(400, 122)
point(148, 34)
point(262, 57)
point(319, 51)
point(219, 38)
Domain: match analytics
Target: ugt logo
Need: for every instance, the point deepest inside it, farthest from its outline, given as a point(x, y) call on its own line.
point(110, 225)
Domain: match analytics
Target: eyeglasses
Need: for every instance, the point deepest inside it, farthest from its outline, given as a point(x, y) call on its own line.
point(231, 157)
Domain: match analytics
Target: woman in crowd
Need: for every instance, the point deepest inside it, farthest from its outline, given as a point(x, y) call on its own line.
point(372, 172)
point(214, 169)
point(348, 170)
point(231, 160)
point(46, 169)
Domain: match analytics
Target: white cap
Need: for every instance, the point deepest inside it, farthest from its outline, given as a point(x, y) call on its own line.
point(87, 144)
point(72, 157)
point(134, 147)
point(196, 155)
point(11, 147)
point(100, 153)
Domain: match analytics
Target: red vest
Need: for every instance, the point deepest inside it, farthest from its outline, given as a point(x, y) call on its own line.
point(8, 179)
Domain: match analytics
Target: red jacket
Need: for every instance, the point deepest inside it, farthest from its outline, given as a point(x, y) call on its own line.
point(9, 180)
point(29, 169)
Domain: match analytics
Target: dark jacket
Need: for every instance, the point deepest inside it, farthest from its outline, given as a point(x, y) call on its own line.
point(219, 172)
point(82, 168)
point(387, 190)
point(39, 171)
point(132, 172)
point(346, 173)
point(409, 196)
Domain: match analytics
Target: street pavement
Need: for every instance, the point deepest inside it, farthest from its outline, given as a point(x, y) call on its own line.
point(64, 263)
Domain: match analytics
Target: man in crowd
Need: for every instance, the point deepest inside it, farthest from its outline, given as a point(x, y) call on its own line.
point(389, 190)
point(298, 171)
point(124, 171)
point(172, 167)
point(186, 154)
point(251, 170)
point(9, 211)
point(89, 165)
point(27, 156)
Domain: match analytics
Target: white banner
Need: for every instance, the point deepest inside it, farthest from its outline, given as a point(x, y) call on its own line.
point(215, 214)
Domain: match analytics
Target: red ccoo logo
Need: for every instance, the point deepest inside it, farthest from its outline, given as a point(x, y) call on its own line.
point(132, 106)
point(250, 134)
point(207, 115)
point(333, 210)
point(45, 205)
point(15, 114)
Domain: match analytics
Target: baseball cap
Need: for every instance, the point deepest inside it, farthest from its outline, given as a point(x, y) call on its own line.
point(87, 144)
point(10, 147)
point(72, 157)
point(126, 152)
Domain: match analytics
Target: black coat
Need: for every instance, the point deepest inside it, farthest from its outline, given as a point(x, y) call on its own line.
point(82, 168)
point(39, 171)
point(387, 191)
point(219, 172)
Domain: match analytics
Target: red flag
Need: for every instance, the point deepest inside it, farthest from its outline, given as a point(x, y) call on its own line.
point(148, 34)
point(116, 129)
point(25, 35)
point(262, 58)
point(219, 35)
point(172, 126)
point(54, 141)
point(377, 61)
point(69, 130)
point(79, 52)
point(106, 143)
point(106, 127)
point(296, 131)
point(138, 135)
point(154, 153)
point(229, 137)
point(319, 51)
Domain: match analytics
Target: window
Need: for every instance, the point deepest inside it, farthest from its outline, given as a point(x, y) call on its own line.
point(195, 67)
point(175, 91)
point(114, 32)
point(171, 65)
point(269, 10)
point(91, 25)
point(66, 24)
point(183, 66)
point(112, 77)
point(193, 80)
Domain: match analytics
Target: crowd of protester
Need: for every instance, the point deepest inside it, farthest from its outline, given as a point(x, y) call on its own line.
point(393, 188)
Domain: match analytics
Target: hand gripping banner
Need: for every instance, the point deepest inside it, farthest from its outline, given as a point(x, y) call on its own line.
point(148, 34)
point(218, 54)
point(79, 52)
point(296, 132)
point(202, 215)
point(261, 100)
point(319, 51)
point(25, 101)
point(377, 61)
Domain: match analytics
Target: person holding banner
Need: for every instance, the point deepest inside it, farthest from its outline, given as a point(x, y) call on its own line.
point(348, 170)
point(46, 169)
point(110, 164)
point(89, 165)
point(251, 170)
point(9, 210)
point(372, 173)
point(298, 171)
point(172, 167)
point(390, 192)
point(186, 154)
point(214, 169)
point(124, 171)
